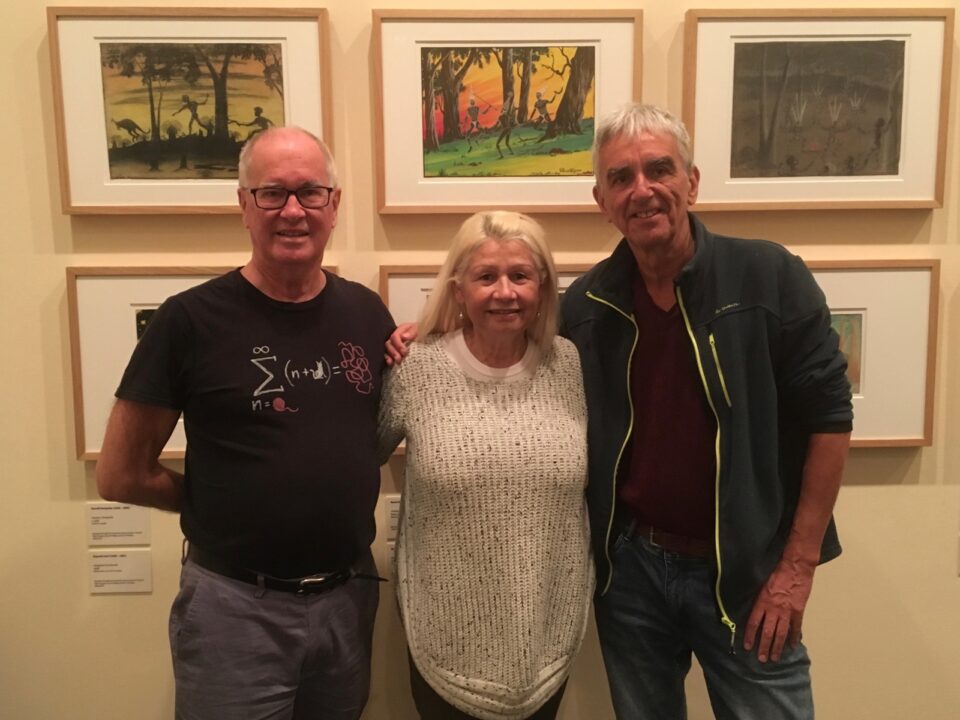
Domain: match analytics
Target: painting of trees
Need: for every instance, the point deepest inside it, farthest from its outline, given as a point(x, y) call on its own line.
point(581, 74)
point(213, 86)
point(471, 95)
point(817, 108)
point(156, 65)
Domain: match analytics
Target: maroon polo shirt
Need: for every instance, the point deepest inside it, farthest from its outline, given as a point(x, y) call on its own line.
point(669, 482)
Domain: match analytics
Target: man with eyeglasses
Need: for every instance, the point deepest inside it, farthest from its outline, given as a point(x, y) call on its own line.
point(276, 369)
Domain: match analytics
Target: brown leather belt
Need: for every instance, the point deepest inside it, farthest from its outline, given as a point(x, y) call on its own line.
point(675, 543)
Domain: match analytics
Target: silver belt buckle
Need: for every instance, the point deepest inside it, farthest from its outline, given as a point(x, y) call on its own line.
point(314, 581)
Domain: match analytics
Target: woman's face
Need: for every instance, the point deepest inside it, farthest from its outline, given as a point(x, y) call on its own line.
point(500, 289)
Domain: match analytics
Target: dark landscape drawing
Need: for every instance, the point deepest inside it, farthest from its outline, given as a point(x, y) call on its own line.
point(817, 108)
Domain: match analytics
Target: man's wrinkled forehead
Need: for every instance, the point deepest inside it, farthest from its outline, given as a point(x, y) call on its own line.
point(646, 148)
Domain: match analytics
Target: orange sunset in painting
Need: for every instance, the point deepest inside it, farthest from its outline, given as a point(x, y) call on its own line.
point(507, 110)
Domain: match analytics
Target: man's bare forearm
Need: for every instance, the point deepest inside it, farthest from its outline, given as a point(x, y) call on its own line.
point(129, 469)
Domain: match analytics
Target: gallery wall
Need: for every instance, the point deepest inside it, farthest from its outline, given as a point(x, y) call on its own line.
point(883, 624)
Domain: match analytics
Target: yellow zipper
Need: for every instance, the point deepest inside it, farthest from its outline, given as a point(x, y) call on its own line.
point(613, 499)
point(716, 492)
point(716, 361)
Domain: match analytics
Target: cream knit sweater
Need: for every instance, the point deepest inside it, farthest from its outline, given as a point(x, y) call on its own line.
point(494, 573)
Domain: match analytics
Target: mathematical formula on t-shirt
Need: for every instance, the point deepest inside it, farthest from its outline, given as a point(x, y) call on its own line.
point(280, 375)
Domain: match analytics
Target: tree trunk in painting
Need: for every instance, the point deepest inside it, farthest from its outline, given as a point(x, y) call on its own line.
point(451, 83)
point(506, 77)
point(570, 110)
point(153, 159)
point(768, 125)
point(526, 63)
point(219, 78)
point(430, 139)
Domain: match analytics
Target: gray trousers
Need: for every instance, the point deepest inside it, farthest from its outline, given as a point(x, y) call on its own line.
point(244, 653)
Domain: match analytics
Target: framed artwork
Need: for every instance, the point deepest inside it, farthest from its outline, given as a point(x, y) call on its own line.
point(885, 312)
point(405, 289)
point(810, 109)
point(153, 105)
point(566, 274)
point(109, 308)
point(480, 110)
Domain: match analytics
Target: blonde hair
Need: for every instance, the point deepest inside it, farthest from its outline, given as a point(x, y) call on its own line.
point(442, 313)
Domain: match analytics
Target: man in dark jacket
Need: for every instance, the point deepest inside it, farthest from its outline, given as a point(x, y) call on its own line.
point(719, 422)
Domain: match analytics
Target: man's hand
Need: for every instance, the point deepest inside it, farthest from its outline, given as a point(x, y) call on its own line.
point(777, 613)
point(778, 610)
point(397, 344)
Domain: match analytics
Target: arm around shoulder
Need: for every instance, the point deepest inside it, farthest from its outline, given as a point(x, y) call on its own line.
point(129, 468)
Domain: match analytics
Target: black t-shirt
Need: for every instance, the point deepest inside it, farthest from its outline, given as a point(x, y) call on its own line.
point(280, 410)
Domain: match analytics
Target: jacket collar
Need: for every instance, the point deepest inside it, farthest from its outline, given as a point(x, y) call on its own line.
point(702, 249)
point(613, 281)
point(693, 279)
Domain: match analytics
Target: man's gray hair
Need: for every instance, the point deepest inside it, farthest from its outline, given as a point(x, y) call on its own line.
point(244, 161)
point(634, 119)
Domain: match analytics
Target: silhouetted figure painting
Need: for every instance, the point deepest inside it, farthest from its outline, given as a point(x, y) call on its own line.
point(507, 121)
point(473, 120)
point(259, 120)
point(192, 106)
point(540, 108)
point(136, 132)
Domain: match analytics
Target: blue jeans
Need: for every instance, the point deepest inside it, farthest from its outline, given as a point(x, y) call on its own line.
point(659, 608)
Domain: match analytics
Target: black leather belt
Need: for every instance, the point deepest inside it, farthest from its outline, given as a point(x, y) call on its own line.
point(321, 582)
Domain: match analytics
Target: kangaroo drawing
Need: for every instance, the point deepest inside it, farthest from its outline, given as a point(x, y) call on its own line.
point(131, 127)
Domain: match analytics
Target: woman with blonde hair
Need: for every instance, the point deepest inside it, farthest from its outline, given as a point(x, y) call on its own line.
point(494, 574)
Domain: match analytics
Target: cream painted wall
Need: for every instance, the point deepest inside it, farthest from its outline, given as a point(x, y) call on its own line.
point(884, 621)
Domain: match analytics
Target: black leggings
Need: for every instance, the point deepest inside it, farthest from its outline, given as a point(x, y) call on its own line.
point(433, 707)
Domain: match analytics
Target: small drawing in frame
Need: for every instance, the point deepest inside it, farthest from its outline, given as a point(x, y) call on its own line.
point(848, 325)
point(143, 316)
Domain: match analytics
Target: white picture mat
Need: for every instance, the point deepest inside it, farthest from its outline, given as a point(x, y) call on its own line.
point(402, 111)
point(921, 107)
point(892, 403)
point(85, 122)
point(408, 294)
point(105, 311)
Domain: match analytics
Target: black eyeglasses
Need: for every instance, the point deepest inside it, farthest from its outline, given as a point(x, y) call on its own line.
point(313, 197)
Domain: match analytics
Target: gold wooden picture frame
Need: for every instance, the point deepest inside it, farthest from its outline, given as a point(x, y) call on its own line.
point(153, 104)
point(818, 109)
point(886, 313)
point(108, 308)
